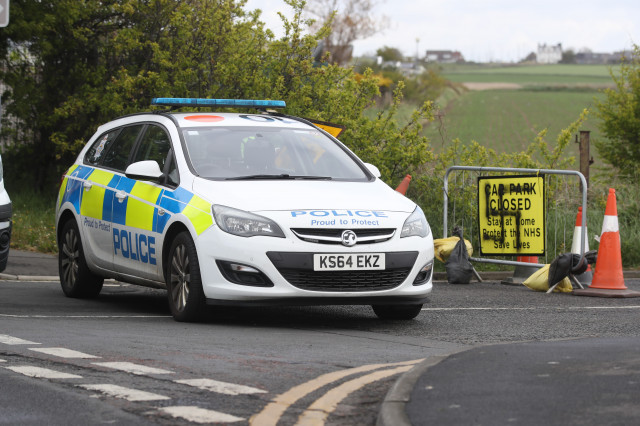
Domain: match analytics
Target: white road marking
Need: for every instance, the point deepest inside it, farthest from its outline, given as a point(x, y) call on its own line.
point(10, 340)
point(132, 395)
point(132, 368)
point(2, 360)
point(42, 373)
point(199, 415)
point(220, 387)
point(63, 353)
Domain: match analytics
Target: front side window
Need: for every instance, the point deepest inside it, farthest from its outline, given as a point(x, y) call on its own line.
point(155, 145)
point(264, 152)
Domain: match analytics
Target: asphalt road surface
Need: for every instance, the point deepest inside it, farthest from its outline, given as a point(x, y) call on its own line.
point(121, 359)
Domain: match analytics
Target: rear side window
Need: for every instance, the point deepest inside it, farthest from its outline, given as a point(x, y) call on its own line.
point(99, 147)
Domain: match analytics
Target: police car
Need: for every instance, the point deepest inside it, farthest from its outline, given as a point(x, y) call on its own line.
point(238, 209)
point(5, 222)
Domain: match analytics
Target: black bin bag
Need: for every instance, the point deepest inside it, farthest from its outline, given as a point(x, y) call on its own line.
point(459, 269)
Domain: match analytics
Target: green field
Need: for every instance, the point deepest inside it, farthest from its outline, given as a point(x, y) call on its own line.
point(509, 120)
point(532, 75)
point(551, 97)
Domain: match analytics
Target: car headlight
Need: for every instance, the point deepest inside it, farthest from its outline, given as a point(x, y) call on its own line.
point(416, 225)
point(245, 224)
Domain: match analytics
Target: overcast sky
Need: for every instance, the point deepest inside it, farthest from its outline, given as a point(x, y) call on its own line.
point(493, 30)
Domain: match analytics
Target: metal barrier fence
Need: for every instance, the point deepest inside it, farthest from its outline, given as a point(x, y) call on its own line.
point(545, 172)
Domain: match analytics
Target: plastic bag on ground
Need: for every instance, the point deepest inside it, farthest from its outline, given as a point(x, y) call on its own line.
point(442, 247)
point(539, 281)
point(459, 269)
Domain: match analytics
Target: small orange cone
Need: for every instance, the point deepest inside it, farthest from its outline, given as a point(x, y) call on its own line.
point(587, 276)
point(608, 280)
point(404, 185)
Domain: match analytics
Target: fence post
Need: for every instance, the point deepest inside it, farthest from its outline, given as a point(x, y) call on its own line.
point(585, 159)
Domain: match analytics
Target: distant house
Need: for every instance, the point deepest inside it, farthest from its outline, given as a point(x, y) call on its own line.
point(444, 56)
point(602, 58)
point(407, 68)
point(549, 54)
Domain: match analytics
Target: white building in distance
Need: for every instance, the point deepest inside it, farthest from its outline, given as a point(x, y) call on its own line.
point(549, 54)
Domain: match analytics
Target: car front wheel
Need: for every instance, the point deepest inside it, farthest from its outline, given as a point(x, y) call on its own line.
point(397, 312)
point(76, 278)
point(184, 285)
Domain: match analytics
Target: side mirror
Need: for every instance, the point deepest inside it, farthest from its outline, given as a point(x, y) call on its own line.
point(144, 170)
point(373, 169)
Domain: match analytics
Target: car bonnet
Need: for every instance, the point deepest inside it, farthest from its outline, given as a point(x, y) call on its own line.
point(301, 195)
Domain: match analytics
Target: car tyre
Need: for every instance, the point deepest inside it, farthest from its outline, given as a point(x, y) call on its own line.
point(184, 284)
point(76, 278)
point(397, 312)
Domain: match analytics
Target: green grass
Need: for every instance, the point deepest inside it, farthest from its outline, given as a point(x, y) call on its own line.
point(33, 221)
point(509, 120)
point(559, 75)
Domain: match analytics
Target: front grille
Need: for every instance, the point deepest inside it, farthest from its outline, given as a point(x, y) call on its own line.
point(341, 281)
point(297, 269)
point(334, 236)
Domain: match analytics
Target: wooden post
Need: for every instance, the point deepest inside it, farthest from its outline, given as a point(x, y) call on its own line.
point(585, 159)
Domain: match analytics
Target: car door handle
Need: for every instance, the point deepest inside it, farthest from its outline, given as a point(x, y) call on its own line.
point(87, 185)
point(121, 195)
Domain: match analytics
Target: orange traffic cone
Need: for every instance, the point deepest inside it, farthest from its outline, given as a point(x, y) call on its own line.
point(404, 185)
point(608, 280)
point(587, 276)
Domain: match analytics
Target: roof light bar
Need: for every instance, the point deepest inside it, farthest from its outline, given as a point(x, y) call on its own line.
point(228, 103)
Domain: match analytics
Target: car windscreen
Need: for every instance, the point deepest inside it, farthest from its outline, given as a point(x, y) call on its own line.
point(238, 153)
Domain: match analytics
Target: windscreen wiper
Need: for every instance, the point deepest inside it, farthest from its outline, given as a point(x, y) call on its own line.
point(283, 176)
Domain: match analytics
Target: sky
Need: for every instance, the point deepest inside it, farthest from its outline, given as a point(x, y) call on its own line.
point(492, 30)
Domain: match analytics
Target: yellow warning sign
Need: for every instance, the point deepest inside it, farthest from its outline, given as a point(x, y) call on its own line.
point(511, 215)
point(331, 128)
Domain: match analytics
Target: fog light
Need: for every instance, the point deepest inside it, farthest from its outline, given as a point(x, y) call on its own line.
point(243, 268)
point(425, 274)
point(238, 273)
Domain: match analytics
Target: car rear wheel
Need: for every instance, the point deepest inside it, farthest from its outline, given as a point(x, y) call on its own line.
point(184, 284)
point(76, 278)
point(397, 312)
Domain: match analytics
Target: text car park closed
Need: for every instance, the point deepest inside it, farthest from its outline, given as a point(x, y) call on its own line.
point(238, 209)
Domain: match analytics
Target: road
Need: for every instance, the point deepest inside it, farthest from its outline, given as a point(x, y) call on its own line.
point(122, 359)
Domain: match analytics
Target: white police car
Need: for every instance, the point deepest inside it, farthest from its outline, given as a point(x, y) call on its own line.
point(244, 209)
point(5, 222)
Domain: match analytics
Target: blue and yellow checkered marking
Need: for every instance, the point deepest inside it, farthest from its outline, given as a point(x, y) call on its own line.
point(72, 186)
point(140, 209)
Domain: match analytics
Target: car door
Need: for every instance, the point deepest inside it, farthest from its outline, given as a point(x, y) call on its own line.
point(136, 237)
point(106, 160)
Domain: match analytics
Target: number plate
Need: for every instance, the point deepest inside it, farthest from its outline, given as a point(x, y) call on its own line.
point(348, 262)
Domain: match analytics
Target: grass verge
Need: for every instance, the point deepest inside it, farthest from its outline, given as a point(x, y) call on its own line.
point(33, 221)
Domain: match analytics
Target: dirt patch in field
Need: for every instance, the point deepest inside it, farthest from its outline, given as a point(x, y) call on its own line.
point(492, 86)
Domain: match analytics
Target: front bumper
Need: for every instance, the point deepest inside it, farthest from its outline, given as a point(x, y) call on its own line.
point(286, 261)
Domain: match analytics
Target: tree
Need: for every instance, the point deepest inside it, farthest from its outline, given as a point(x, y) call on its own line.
point(390, 54)
point(71, 66)
point(619, 115)
point(349, 20)
point(568, 57)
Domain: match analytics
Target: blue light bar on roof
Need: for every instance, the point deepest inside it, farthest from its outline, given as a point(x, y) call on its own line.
point(227, 103)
